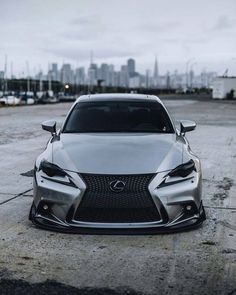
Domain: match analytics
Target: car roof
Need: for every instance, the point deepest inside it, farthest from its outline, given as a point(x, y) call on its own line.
point(117, 96)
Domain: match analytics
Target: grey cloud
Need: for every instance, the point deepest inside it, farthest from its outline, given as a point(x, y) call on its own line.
point(223, 23)
point(78, 54)
point(161, 26)
point(187, 40)
point(89, 28)
point(174, 30)
point(85, 20)
point(79, 35)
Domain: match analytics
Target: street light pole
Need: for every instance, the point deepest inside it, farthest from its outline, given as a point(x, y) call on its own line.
point(187, 67)
point(191, 70)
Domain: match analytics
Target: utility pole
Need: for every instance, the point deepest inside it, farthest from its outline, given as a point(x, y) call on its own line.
point(49, 78)
point(28, 76)
point(11, 70)
point(40, 79)
point(187, 67)
point(91, 57)
point(5, 75)
point(191, 74)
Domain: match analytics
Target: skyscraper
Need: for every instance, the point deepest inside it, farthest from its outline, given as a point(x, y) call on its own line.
point(67, 75)
point(54, 72)
point(80, 76)
point(94, 68)
point(131, 67)
point(113, 79)
point(124, 76)
point(104, 69)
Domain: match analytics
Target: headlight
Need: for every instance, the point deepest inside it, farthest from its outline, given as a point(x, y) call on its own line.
point(183, 170)
point(51, 169)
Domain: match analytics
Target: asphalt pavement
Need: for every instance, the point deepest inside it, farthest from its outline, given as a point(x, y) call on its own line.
point(202, 261)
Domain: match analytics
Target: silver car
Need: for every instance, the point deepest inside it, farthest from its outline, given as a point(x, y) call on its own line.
point(118, 164)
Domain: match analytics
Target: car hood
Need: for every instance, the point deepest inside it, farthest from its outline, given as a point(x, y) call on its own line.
point(117, 153)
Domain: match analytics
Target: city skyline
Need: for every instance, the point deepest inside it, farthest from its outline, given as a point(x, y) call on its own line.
point(28, 68)
point(32, 69)
point(66, 33)
point(126, 76)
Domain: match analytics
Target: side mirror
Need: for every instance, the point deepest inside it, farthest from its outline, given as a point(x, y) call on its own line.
point(186, 126)
point(49, 126)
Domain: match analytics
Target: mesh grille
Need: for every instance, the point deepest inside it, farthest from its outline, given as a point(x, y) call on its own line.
point(101, 204)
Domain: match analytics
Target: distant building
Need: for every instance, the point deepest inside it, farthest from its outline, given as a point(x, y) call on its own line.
point(204, 80)
point(222, 86)
point(124, 76)
point(54, 72)
point(92, 76)
point(177, 80)
point(67, 75)
point(134, 82)
point(148, 79)
point(142, 81)
point(39, 75)
point(80, 77)
point(1, 75)
point(94, 69)
point(131, 67)
point(105, 74)
point(163, 81)
point(207, 78)
point(168, 81)
point(113, 76)
point(191, 78)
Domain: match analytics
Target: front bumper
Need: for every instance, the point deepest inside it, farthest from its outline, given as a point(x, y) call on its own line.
point(171, 198)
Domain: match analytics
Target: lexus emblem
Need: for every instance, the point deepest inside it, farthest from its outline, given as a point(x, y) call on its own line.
point(117, 186)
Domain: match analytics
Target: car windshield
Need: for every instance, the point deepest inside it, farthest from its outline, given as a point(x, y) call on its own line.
point(118, 116)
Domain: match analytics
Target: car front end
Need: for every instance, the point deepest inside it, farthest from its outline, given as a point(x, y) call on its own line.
point(123, 183)
point(80, 202)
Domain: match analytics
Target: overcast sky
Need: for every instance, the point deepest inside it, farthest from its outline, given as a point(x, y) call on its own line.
point(202, 31)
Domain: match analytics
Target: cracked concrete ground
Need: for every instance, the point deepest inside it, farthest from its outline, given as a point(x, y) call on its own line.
point(200, 261)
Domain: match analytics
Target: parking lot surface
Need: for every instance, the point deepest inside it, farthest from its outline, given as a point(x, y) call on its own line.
point(202, 261)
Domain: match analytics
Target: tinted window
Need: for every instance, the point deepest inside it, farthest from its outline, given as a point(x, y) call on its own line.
point(113, 116)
